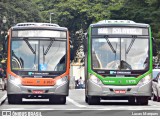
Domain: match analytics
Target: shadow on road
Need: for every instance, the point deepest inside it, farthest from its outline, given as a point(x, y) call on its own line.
point(36, 103)
point(117, 103)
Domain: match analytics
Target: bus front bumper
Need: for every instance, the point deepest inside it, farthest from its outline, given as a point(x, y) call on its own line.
point(62, 89)
point(110, 90)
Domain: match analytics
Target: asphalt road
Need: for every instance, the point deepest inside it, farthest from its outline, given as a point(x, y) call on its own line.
point(76, 104)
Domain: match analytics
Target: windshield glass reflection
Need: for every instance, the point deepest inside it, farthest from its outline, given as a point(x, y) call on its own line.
point(38, 55)
point(120, 53)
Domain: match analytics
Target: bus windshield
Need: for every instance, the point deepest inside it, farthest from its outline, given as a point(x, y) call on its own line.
point(120, 53)
point(38, 54)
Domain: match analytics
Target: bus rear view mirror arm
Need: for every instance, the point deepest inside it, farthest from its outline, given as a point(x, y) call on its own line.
point(85, 42)
point(154, 47)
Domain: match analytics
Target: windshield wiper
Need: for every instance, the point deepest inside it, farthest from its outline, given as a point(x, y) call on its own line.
point(43, 55)
point(109, 43)
point(33, 51)
point(48, 48)
point(35, 55)
point(131, 44)
point(29, 45)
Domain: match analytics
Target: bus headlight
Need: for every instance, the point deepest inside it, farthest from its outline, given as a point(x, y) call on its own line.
point(94, 79)
point(145, 80)
point(14, 80)
point(61, 81)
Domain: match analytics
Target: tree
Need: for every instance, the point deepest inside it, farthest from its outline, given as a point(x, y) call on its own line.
point(77, 15)
point(17, 11)
point(144, 11)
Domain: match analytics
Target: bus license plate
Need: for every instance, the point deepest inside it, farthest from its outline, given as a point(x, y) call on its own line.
point(120, 91)
point(37, 91)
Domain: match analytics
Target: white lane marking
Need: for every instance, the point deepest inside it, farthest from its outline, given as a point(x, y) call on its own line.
point(3, 98)
point(14, 109)
point(75, 103)
point(32, 109)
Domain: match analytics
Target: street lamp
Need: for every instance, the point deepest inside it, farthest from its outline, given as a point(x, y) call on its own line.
point(2, 32)
point(50, 16)
point(4, 20)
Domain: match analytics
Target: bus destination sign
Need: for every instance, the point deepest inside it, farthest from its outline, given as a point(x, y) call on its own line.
point(119, 31)
point(39, 33)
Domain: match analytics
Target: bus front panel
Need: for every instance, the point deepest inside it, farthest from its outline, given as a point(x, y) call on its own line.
point(119, 63)
point(38, 63)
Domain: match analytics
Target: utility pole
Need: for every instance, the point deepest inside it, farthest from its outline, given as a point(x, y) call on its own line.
point(50, 16)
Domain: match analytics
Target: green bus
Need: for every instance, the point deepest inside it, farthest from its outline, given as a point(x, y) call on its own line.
point(118, 62)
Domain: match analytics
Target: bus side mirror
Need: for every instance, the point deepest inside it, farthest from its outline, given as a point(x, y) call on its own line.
point(71, 50)
point(85, 42)
point(5, 44)
point(154, 47)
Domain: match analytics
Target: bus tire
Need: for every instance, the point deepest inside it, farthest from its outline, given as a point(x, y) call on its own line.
point(14, 99)
point(62, 100)
point(57, 100)
point(86, 99)
point(86, 78)
point(154, 97)
point(92, 100)
point(131, 100)
point(158, 99)
point(142, 100)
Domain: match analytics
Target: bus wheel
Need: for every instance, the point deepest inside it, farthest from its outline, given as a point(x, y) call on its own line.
point(14, 99)
point(57, 100)
point(61, 100)
point(131, 100)
point(154, 97)
point(142, 100)
point(86, 99)
point(158, 99)
point(93, 100)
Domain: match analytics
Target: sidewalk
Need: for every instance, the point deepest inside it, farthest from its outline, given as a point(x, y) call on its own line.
point(3, 96)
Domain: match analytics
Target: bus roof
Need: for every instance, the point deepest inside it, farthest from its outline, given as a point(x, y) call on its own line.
point(32, 25)
point(118, 23)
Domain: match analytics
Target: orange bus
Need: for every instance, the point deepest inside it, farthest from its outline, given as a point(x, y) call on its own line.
point(38, 62)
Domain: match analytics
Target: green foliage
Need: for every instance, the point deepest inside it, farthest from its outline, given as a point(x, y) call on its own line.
point(19, 11)
point(79, 14)
point(144, 11)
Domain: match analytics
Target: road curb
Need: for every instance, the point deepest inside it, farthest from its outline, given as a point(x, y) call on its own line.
point(3, 98)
